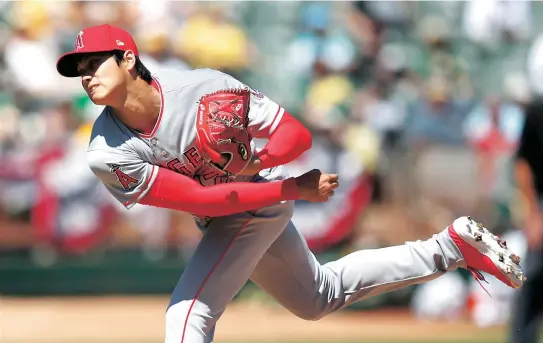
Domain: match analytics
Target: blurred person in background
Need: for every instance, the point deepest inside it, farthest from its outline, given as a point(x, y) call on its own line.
point(71, 215)
point(380, 107)
point(534, 66)
point(320, 55)
point(493, 129)
point(525, 323)
point(32, 36)
point(440, 162)
point(436, 56)
point(382, 104)
point(157, 52)
point(436, 118)
point(231, 50)
point(371, 25)
point(489, 23)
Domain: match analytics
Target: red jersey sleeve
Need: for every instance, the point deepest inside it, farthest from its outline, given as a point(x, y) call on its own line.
point(287, 142)
point(178, 192)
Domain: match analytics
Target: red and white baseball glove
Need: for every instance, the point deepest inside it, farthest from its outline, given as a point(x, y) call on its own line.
point(221, 126)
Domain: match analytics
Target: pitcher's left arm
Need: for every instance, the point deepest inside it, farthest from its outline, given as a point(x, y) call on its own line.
point(287, 137)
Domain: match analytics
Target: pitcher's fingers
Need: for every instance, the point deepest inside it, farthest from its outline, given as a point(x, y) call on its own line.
point(332, 178)
point(328, 192)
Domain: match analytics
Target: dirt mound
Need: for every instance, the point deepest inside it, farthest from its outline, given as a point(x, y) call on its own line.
point(141, 320)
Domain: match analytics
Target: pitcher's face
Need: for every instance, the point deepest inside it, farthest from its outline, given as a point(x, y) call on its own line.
point(102, 78)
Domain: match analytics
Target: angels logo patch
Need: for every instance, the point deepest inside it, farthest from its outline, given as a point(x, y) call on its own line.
point(79, 41)
point(125, 180)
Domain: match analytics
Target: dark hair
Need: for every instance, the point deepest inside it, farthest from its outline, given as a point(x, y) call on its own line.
point(141, 70)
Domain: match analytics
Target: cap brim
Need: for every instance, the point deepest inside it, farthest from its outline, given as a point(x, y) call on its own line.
point(67, 64)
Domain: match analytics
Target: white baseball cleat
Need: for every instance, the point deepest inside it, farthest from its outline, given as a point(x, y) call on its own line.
point(485, 252)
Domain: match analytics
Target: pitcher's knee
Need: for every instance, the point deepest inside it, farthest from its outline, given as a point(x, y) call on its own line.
point(280, 214)
point(312, 313)
point(186, 321)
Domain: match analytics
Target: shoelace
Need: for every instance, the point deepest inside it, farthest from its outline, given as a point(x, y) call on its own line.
point(478, 276)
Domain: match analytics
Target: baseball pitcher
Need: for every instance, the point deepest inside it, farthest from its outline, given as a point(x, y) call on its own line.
point(183, 140)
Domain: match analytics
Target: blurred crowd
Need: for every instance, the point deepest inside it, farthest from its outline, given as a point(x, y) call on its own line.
point(418, 104)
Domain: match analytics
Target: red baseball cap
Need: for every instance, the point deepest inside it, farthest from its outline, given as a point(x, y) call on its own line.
point(99, 38)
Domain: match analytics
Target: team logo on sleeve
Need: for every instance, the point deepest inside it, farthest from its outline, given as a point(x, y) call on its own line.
point(125, 180)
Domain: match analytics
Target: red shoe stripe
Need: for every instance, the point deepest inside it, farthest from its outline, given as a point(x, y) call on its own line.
point(476, 259)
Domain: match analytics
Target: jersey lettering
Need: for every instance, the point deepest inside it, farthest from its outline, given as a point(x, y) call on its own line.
point(178, 166)
point(193, 156)
point(126, 180)
point(213, 173)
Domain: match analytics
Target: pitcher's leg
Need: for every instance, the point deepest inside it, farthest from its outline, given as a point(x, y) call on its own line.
point(291, 274)
point(220, 266)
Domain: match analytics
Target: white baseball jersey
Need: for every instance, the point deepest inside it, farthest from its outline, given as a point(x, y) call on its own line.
point(127, 161)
